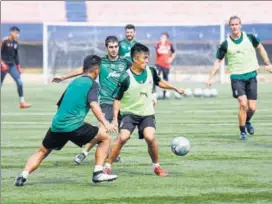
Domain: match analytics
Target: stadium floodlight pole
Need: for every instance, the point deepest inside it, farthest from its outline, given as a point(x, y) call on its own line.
point(45, 54)
point(222, 38)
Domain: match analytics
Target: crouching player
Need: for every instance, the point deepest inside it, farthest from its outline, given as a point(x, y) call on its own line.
point(68, 123)
point(134, 101)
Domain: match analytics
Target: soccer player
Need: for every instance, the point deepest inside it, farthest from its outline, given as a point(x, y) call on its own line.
point(68, 123)
point(111, 68)
point(126, 44)
point(165, 54)
point(10, 63)
point(239, 48)
point(134, 101)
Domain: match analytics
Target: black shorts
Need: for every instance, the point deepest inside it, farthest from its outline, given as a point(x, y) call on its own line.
point(80, 137)
point(164, 71)
point(244, 87)
point(129, 122)
point(107, 110)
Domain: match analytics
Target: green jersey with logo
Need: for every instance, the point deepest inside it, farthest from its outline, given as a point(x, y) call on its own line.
point(110, 72)
point(135, 92)
point(74, 104)
point(241, 56)
point(125, 47)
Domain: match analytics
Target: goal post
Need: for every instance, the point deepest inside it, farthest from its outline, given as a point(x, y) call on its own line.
point(66, 44)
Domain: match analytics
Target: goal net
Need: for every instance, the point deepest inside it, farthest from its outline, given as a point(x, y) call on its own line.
point(66, 45)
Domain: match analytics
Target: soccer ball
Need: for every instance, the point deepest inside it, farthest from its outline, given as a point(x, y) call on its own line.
point(188, 93)
point(180, 146)
point(160, 95)
point(177, 95)
point(168, 94)
point(197, 92)
point(207, 93)
point(214, 93)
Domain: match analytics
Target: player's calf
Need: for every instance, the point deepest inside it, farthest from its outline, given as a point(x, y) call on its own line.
point(103, 140)
point(153, 150)
point(32, 164)
point(122, 138)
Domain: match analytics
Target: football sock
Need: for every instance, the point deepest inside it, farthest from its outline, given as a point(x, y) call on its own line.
point(249, 116)
point(107, 165)
point(154, 165)
point(98, 168)
point(85, 152)
point(22, 99)
point(25, 174)
point(243, 129)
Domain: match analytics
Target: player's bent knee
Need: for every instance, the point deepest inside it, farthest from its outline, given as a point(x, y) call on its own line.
point(103, 135)
point(252, 107)
point(123, 137)
point(150, 139)
point(242, 102)
point(44, 151)
point(243, 106)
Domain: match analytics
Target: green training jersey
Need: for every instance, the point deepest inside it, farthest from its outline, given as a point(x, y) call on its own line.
point(125, 47)
point(110, 72)
point(241, 56)
point(73, 106)
point(135, 92)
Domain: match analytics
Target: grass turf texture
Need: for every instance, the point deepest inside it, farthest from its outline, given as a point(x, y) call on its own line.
point(220, 169)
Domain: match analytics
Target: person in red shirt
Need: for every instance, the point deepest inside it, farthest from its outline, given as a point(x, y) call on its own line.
point(165, 54)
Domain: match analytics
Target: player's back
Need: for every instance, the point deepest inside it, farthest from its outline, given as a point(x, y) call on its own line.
point(73, 105)
point(110, 72)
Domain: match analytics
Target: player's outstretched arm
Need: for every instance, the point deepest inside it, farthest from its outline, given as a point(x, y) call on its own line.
point(116, 109)
point(100, 117)
point(165, 85)
point(74, 73)
point(264, 55)
point(214, 70)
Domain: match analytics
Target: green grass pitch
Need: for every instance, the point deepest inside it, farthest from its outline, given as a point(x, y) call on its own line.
point(219, 169)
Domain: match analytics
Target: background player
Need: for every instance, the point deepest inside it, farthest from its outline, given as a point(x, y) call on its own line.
point(68, 123)
point(165, 54)
point(134, 101)
point(243, 66)
point(126, 44)
point(10, 63)
point(111, 68)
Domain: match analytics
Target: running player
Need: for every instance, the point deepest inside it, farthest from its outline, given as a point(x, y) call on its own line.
point(68, 123)
point(239, 48)
point(165, 54)
point(126, 44)
point(111, 68)
point(134, 101)
point(10, 63)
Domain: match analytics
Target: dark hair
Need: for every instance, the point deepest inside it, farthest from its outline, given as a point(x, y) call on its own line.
point(138, 47)
point(130, 26)
point(235, 17)
point(14, 28)
point(110, 39)
point(166, 34)
point(89, 62)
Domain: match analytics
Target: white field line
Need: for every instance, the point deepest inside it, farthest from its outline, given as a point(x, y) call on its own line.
point(268, 110)
point(268, 123)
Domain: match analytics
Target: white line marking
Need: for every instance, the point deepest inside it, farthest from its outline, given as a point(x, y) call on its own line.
point(266, 110)
point(182, 124)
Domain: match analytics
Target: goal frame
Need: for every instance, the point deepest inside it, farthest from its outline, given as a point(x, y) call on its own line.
point(82, 24)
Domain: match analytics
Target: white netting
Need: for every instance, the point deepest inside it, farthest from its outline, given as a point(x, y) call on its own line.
point(67, 45)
